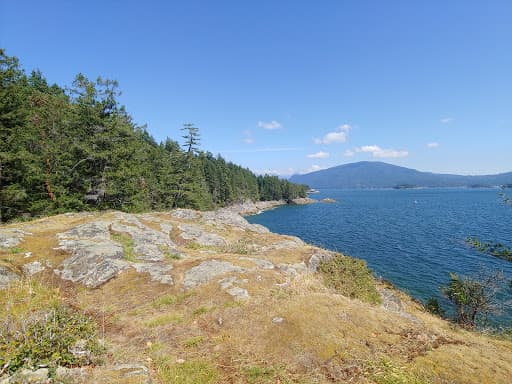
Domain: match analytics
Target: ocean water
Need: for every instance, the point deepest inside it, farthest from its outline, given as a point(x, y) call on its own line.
point(412, 238)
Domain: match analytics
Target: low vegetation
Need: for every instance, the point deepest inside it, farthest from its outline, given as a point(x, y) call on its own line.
point(294, 328)
point(188, 372)
point(38, 330)
point(474, 298)
point(350, 277)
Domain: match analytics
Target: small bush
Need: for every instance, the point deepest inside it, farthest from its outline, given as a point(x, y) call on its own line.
point(434, 307)
point(474, 298)
point(350, 277)
point(55, 337)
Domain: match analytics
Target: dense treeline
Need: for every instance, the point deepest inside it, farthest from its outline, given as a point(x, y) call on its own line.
point(78, 149)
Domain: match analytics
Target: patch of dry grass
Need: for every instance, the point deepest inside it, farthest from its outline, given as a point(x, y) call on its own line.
point(325, 337)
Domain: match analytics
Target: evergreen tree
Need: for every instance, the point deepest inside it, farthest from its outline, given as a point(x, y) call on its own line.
point(78, 149)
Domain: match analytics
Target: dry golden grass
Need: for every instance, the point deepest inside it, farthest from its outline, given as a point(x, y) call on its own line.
point(205, 336)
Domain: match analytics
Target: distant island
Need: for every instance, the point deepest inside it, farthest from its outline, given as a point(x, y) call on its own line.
point(375, 174)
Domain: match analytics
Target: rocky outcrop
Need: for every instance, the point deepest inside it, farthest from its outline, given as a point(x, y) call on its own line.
point(27, 376)
point(93, 261)
point(96, 258)
point(33, 268)
point(230, 217)
point(94, 230)
point(242, 284)
point(207, 271)
point(122, 373)
point(249, 207)
point(317, 258)
point(231, 286)
point(291, 242)
point(11, 237)
point(292, 269)
point(391, 302)
point(157, 271)
point(201, 237)
point(148, 244)
point(304, 201)
point(260, 263)
point(187, 214)
point(7, 277)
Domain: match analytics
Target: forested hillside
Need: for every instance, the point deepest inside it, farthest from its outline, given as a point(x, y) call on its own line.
point(69, 149)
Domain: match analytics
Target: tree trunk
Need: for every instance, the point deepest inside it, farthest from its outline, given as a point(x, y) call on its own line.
point(47, 185)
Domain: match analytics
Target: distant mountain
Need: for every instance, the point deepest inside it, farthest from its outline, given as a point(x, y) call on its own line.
point(374, 174)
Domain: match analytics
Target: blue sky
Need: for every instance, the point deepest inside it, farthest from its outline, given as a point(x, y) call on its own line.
point(292, 86)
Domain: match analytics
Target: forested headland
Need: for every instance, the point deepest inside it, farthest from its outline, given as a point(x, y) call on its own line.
point(70, 149)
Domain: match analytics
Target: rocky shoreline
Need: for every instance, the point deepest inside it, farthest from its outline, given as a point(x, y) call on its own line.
point(205, 285)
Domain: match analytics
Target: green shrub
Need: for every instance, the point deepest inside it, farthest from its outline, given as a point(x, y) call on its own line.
point(49, 338)
point(434, 307)
point(350, 277)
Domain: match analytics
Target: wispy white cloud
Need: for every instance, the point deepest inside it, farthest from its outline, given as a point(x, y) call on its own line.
point(270, 125)
point(447, 120)
point(248, 138)
point(267, 149)
point(340, 135)
point(313, 168)
point(319, 155)
point(348, 153)
point(288, 171)
point(377, 151)
point(432, 145)
point(275, 172)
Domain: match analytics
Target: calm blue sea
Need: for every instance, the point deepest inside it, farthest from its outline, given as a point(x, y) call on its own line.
point(412, 238)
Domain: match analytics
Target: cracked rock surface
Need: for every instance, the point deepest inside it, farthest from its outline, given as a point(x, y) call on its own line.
point(207, 271)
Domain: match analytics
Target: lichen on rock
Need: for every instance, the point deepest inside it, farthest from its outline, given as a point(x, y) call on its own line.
point(207, 271)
